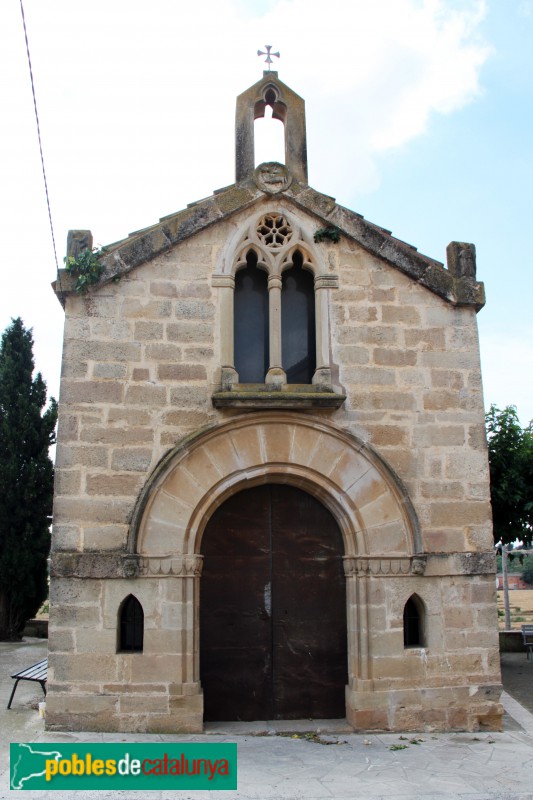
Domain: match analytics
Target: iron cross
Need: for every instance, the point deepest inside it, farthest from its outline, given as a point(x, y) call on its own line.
point(268, 60)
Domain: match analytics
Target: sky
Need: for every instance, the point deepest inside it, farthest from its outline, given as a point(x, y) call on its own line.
point(419, 117)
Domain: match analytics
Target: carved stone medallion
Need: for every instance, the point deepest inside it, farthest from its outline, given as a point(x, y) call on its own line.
point(272, 177)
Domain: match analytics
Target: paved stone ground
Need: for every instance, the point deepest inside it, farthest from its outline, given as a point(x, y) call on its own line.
point(471, 766)
point(517, 676)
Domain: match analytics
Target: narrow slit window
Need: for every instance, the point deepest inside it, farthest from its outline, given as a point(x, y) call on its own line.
point(298, 342)
point(251, 322)
point(413, 623)
point(131, 626)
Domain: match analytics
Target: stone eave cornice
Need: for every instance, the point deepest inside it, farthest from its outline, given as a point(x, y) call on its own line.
point(144, 245)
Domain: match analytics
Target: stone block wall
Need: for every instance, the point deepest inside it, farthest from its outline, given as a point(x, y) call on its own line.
point(140, 364)
point(141, 361)
point(138, 373)
point(409, 365)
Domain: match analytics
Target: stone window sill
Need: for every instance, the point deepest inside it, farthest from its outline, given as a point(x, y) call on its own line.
point(298, 396)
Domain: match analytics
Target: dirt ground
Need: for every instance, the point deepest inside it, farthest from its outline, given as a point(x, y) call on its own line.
point(521, 603)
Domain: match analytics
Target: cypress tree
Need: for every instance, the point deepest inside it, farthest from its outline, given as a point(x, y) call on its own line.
point(27, 430)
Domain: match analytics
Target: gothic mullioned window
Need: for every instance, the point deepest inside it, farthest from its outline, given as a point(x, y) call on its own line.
point(274, 317)
point(275, 312)
point(276, 281)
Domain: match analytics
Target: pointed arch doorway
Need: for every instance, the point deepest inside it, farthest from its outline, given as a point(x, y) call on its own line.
point(273, 640)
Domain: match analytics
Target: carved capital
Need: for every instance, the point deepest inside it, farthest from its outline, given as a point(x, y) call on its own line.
point(392, 566)
point(189, 566)
point(350, 566)
point(274, 282)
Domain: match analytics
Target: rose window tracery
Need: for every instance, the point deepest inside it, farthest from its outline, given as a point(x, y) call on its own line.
point(274, 231)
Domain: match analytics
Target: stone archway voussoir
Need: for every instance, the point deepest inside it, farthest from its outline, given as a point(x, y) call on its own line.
point(340, 471)
point(390, 538)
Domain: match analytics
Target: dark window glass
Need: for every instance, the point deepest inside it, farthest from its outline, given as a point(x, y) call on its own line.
point(251, 322)
point(412, 624)
point(131, 625)
point(298, 345)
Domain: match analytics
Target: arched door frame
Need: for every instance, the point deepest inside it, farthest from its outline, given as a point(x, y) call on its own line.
point(362, 492)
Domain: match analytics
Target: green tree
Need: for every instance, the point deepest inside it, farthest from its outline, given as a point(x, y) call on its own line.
point(527, 574)
point(511, 475)
point(26, 481)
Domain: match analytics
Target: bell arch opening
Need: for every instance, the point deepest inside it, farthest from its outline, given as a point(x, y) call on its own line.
point(269, 138)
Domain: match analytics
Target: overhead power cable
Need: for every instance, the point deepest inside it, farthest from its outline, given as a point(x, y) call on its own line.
point(39, 137)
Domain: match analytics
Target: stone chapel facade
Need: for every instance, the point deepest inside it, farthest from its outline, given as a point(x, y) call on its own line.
point(272, 492)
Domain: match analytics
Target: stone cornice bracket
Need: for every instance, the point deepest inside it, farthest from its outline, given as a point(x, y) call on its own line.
point(223, 281)
point(66, 564)
point(327, 282)
point(78, 241)
point(188, 566)
point(419, 564)
point(476, 563)
point(130, 565)
point(391, 566)
point(461, 262)
point(124, 565)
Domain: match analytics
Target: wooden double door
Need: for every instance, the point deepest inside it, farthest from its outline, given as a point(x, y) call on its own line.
point(273, 640)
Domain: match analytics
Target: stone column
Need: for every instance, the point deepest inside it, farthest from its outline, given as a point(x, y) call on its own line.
point(275, 376)
point(322, 376)
point(179, 578)
point(351, 620)
point(356, 571)
point(226, 287)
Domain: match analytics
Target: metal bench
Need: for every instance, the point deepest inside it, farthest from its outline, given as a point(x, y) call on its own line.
point(527, 636)
point(38, 672)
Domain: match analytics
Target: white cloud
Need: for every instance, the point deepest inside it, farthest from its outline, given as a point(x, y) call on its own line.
point(138, 99)
point(384, 71)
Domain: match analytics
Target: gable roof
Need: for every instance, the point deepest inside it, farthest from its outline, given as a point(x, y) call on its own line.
point(143, 245)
